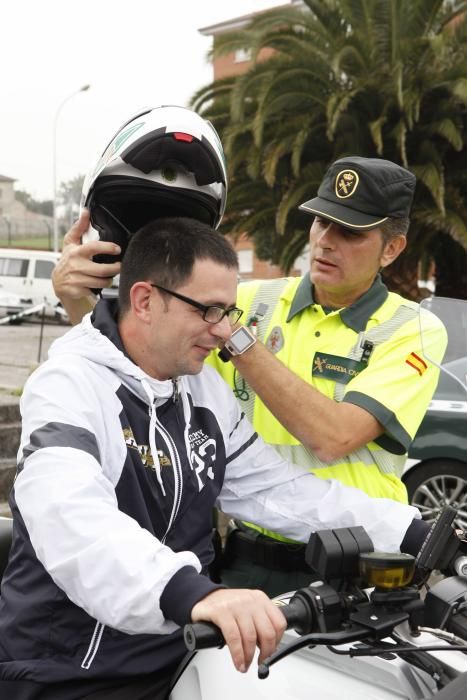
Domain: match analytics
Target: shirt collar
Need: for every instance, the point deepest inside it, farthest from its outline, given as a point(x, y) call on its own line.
point(355, 316)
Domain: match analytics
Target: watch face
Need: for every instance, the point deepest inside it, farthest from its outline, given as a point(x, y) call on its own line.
point(241, 340)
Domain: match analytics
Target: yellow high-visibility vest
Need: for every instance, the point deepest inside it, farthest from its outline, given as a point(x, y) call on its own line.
point(326, 348)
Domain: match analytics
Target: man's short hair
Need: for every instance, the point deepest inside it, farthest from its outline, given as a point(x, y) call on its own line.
point(165, 251)
point(393, 227)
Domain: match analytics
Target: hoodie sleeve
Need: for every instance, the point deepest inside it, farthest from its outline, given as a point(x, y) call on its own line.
point(100, 557)
point(263, 488)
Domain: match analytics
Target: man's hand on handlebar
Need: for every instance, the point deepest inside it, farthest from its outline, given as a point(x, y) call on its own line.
point(247, 618)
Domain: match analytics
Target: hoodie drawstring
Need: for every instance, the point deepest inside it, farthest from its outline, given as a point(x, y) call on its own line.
point(152, 433)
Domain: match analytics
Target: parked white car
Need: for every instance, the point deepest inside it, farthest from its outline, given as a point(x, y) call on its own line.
point(25, 280)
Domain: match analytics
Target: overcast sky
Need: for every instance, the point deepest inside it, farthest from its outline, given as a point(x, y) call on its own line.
point(133, 53)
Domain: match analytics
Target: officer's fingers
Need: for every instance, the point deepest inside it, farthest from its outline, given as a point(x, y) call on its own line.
point(78, 229)
point(80, 284)
point(91, 248)
point(105, 270)
point(75, 276)
point(88, 274)
point(78, 259)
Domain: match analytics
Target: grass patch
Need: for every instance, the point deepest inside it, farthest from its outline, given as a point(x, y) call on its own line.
point(35, 242)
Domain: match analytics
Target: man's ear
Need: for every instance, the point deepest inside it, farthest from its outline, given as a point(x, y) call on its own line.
point(393, 249)
point(141, 298)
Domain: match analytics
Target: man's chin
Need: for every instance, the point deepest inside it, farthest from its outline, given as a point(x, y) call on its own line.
point(194, 367)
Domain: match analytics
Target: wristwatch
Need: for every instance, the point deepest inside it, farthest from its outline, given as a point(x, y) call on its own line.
point(241, 340)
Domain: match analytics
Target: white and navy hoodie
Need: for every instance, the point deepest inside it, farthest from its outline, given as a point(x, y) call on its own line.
point(117, 477)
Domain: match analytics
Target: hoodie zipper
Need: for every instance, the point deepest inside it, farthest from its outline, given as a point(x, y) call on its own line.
point(93, 646)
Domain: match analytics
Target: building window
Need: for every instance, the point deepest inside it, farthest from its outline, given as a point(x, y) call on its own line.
point(13, 267)
point(245, 261)
point(242, 55)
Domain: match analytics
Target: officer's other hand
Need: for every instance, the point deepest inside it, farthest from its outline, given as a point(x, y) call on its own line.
point(247, 618)
point(75, 273)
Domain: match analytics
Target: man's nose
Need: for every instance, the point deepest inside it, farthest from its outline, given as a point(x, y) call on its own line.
point(222, 329)
point(327, 235)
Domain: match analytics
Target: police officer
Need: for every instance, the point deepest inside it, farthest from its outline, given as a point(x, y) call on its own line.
point(339, 381)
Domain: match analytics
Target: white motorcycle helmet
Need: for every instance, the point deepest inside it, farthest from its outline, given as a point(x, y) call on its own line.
point(166, 161)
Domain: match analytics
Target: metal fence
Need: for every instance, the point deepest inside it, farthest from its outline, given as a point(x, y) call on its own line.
point(30, 231)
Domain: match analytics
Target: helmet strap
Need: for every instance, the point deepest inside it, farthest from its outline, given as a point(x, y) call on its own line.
point(117, 221)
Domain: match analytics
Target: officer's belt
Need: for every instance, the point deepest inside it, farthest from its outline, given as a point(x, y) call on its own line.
point(260, 550)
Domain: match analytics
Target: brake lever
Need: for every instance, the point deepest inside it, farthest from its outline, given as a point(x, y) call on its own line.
point(355, 633)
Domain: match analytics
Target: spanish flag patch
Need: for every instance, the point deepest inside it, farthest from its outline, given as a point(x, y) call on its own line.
point(417, 363)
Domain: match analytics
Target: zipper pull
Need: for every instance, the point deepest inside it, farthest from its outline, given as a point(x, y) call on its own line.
point(176, 391)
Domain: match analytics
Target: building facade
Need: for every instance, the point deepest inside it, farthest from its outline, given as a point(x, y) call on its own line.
point(16, 221)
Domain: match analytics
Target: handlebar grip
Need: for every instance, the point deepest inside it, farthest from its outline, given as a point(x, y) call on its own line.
point(207, 635)
point(202, 635)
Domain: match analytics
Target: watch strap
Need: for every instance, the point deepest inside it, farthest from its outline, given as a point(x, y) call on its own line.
point(224, 354)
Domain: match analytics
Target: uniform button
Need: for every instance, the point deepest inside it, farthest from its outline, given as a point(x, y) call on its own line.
point(317, 334)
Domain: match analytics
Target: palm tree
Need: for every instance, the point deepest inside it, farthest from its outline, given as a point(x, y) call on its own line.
point(381, 78)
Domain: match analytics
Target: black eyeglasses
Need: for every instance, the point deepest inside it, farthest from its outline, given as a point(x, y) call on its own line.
point(211, 314)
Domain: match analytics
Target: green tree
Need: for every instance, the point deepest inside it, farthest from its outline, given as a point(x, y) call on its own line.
point(381, 78)
point(44, 207)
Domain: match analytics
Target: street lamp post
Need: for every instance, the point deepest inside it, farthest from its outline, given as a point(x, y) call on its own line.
point(57, 113)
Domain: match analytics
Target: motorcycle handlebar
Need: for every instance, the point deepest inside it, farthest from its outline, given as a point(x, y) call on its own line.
point(303, 613)
point(206, 635)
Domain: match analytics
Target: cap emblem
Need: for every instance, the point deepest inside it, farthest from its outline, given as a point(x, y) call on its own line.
point(346, 183)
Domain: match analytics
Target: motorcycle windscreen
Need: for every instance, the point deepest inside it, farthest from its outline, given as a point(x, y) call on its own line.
point(453, 315)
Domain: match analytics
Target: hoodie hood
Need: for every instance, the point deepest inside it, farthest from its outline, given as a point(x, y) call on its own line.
point(97, 340)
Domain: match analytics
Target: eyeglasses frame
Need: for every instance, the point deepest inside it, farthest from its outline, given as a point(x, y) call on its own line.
point(202, 307)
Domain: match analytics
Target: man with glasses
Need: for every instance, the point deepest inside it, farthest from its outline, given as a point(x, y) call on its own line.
point(128, 442)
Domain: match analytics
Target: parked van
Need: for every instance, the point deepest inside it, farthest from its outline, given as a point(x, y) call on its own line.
point(25, 279)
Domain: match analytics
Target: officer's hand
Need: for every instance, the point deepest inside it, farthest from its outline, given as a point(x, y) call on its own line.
point(75, 273)
point(247, 619)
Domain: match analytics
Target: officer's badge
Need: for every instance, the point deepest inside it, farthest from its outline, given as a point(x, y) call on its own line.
point(346, 183)
point(319, 364)
point(275, 342)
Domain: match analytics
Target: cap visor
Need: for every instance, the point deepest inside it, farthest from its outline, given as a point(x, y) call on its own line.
point(345, 216)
